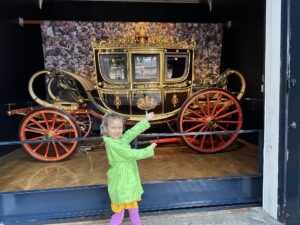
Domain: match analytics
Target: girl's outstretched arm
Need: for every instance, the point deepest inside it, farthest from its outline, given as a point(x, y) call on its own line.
point(120, 153)
point(138, 128)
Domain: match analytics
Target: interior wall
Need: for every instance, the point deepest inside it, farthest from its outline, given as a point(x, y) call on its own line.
point(20, 56)
point(243, 49)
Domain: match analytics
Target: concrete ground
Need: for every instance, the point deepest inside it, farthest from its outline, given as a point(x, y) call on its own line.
point(241, 216)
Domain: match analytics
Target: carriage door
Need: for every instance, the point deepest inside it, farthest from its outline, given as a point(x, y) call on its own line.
point(145, 75)
point(290, 212)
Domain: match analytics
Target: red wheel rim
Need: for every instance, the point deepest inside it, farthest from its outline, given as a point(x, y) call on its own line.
point(84, 121)
point(49, 124)
point(210, 110)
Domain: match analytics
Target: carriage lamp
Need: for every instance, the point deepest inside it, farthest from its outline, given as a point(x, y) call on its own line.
point(9, 108)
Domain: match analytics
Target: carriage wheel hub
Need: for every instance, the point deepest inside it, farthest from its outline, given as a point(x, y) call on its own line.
point(212, 123)
point(49, 135)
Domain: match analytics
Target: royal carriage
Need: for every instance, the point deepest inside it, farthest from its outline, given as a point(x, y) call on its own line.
point(134, 75)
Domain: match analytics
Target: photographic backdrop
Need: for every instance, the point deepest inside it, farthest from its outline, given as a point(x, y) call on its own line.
point(67, 44)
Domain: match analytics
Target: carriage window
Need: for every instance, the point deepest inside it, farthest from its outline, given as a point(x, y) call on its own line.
point(146, 67)
point(176, 66)
point(114, 66)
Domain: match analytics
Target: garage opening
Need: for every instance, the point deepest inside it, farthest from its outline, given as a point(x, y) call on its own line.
point(228, 39)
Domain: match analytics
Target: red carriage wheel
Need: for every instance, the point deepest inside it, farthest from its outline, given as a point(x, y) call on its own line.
point(210, 110)
point(49, 124)
point(85, 123)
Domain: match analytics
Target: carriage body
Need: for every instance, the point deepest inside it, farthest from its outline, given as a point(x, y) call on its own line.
point(144, 76)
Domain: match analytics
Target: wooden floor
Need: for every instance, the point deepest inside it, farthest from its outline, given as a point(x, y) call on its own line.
point(18, 171)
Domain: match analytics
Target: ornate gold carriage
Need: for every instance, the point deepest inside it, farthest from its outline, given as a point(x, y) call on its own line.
point(134, 75)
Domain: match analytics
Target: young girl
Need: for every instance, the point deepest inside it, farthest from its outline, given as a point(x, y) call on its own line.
point(124, 184)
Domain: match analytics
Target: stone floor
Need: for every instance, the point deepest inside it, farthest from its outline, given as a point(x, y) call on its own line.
point(241, 216)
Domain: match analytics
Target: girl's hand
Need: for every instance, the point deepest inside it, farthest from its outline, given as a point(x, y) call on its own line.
point(149, 116)
point(153, 145)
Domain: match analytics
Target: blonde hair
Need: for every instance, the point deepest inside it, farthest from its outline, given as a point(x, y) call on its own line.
point(107, 118)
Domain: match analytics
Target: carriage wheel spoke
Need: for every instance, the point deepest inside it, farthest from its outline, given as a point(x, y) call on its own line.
point(53, 122)
point(65, 131)
point(203, 139)
point(196, 135)
point(222, 128)
point(85, 123)
point(194, 127)
point(63, 146)
point(34, 131)
point(46, 121)
point(61, 125)
point(216, 104)
point(38, 147)
point(47, 150)
point(194, 112)
point(201, 108)
point(61, 136)
point(227, 114)
point(221, 138)
point(79, 119)
point(193, 121)
point(208, 104)
point(36, 138)
point(223, 108)
point(64, 137)
point(56, 150)
point(229, 121)
point(38, 124)
point(83, 132)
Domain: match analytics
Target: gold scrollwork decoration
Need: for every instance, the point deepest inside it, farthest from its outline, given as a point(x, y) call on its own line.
point(146, 103)
point(174, 100)
point(154, 91)
point(183, 84)
point(106, 85)
point(146, 85)
point(117, 101)
point(153, 42)
point(141, 39)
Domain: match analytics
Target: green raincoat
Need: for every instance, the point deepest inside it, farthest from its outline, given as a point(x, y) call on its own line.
point(124, 184)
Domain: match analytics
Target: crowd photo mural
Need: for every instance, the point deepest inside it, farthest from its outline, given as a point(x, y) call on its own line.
point(67, 44)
